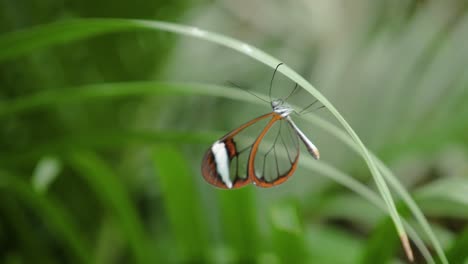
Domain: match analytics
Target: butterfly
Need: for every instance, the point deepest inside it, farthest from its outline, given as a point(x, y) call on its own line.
point(232, 162)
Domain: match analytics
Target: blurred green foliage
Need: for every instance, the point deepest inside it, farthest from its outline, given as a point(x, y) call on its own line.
point(100, 164)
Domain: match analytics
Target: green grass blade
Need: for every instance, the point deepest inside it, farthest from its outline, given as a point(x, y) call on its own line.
point(239, 223)
point(46, 171)
point(114, 196)
point(458, 187)
point(16, 217)
point(108, 91)
point(457, 253)
point(53, 215)
point(289, 241)
point(25, 41)
point(392, 180)
point(382, 245)
point(106, 140)
point(329, 245)
point(365, 192)
point(181, 203)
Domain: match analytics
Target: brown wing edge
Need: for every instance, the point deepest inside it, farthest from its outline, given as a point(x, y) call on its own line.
point(251, 166)
point(209, 171)
point(210, 174)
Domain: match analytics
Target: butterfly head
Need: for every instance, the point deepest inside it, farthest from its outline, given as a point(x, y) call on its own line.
point(281, 107)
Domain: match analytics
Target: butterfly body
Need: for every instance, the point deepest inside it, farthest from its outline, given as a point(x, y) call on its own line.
point(281, 108)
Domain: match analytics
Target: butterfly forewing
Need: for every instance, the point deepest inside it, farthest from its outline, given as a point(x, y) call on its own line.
point(276, 157)
point(225, 164)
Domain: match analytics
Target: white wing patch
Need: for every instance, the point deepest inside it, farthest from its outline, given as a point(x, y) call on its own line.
point(222, 162)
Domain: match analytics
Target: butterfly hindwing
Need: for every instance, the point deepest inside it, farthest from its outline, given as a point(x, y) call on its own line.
point(274, 154)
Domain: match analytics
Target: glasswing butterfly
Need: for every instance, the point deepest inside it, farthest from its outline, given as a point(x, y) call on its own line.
point(232, 163)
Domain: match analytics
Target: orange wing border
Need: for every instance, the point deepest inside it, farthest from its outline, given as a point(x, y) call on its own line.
point(251, 162)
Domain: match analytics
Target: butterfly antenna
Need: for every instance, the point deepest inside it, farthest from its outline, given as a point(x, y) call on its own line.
point(237, 86)
point(307, 107)
point(234, 84)
point(257, 96)
point(272, 78)
point(318, 108)
point(293, 91)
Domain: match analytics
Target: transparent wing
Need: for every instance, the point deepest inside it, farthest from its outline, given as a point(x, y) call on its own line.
point(275, 154)
point(225, 163)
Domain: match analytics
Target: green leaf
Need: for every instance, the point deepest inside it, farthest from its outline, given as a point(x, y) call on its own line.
point(53, 215)
point(457, 253)
point(114, 196)
point(238, 217)
point(446, 197)
point(382, 245)
point(331, 245)
point(288, 234)
point(350, 207)
point(18, 219)
point(47, 169)
point(106, 91)
point(181, 203)
point(454, 189)
point(25, 41)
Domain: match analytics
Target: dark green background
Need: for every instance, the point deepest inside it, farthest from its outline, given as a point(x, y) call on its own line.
point(117, 124)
